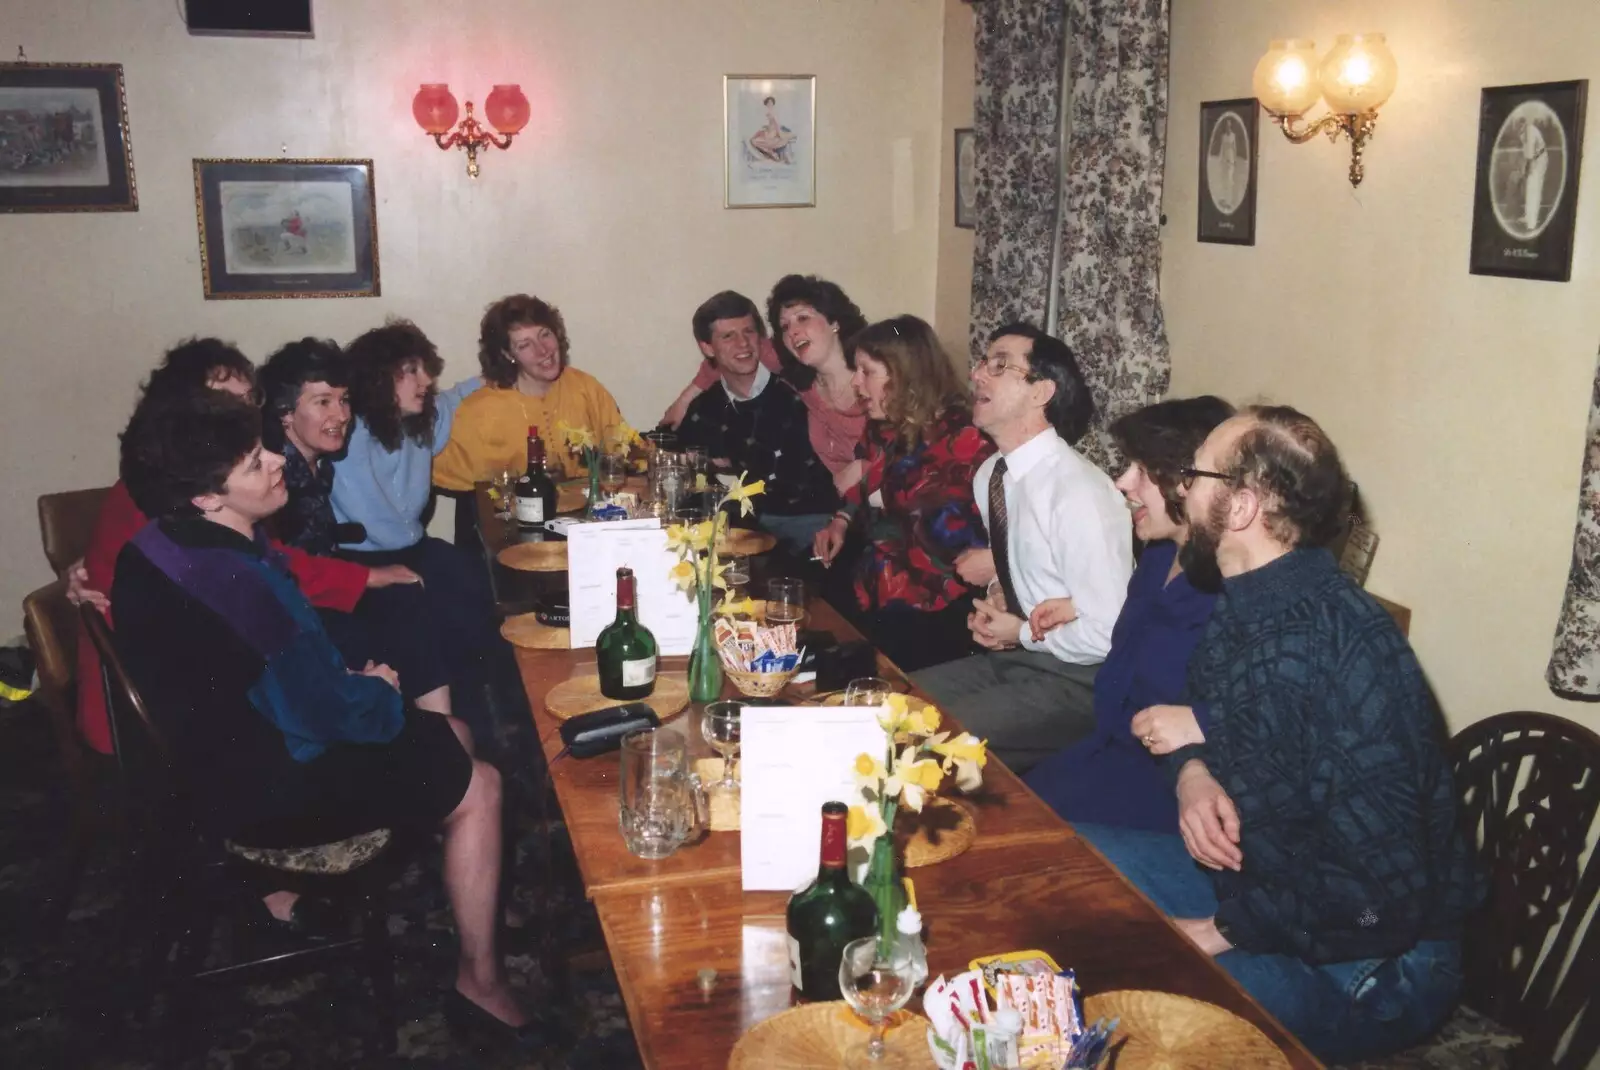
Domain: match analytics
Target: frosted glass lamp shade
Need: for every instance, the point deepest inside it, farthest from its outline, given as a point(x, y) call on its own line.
point(506, 109)
point(1285, 80)
point(435, 108)
point(1359, 74)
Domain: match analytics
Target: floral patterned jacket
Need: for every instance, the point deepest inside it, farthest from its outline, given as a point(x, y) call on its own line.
point(927, 517)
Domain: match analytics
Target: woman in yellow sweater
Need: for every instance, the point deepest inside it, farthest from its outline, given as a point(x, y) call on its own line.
point(523, 350)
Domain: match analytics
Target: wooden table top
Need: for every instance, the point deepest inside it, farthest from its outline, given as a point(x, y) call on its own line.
point(1027, 882)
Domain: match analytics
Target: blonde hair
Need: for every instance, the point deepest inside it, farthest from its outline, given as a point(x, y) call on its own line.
point(922, 380)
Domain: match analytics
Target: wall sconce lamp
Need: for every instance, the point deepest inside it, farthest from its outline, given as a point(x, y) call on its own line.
point(435, 109)
point(1355, 79)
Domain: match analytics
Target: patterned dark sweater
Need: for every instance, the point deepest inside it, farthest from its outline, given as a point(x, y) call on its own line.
point(768, 437)
point(1327, 738)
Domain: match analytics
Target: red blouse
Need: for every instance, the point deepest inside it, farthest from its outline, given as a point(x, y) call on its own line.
point(928, 517)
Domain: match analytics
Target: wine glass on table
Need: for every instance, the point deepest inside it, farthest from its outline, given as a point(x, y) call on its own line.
point(786, 602)
point(867, 691)
point(719, 724)
point(504, 480)
point(875, 984)
point(613, 474)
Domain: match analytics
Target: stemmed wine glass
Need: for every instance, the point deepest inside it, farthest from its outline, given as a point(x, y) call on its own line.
point(867, 691)
point(719, 723)
point(875, 985)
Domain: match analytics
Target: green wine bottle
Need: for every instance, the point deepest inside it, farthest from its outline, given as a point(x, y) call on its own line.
point(827, 914)
point(626, 651)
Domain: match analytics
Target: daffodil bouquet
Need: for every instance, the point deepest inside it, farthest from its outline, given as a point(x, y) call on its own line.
point(617, 440)
point(699, 573)
point(917, 758)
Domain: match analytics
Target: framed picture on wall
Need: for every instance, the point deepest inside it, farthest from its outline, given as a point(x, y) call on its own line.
point(966, 179)
point(1525, 209)
point(64, 139)
point(1228, 171)
point(286, 228)
point(769, 140)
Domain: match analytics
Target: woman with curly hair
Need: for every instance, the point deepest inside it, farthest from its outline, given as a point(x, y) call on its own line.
point(811, 321)
point(914, 496)
point(528, 382)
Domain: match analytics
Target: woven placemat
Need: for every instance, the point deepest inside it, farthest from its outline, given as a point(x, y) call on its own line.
point(535, 556)
point(581, 694)
point(1161, 1031)
point(746, 541)
point(943, 830)
point(526, 631)
point(572, 495)
point(836, 698)
point(724, 805)
point(817, 1035)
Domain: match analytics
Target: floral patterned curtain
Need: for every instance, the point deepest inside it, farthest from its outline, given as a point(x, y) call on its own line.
point(1016, 125)
point(1574, 670)
point(1109, 293)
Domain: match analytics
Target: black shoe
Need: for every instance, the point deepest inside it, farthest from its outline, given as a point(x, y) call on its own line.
point(542, 1031)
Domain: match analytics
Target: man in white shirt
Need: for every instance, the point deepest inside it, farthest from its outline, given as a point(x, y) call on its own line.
point(1058, 529)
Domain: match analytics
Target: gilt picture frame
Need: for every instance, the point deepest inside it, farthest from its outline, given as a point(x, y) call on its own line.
point(64, 141)
point(286, 228)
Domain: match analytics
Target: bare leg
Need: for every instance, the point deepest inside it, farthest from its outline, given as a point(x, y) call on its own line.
point(472, 879)
point(463, 733)
point(281, 904)
point(437, 700)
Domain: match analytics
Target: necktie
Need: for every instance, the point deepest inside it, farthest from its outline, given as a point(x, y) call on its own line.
point(997, 535)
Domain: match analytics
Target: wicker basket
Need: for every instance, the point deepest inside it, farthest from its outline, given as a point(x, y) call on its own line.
point(760, 684)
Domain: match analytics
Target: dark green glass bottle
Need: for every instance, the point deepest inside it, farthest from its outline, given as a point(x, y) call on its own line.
point(625, 653)
point(827, 914)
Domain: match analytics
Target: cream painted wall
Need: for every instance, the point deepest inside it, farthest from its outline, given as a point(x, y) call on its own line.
point(1458, 401)
point(953, 298)
point(610, 204)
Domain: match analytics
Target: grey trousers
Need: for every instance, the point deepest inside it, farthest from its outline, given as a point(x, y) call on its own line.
point(1027, 704)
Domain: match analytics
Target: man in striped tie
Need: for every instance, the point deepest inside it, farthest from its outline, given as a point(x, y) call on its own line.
point(1058, 529)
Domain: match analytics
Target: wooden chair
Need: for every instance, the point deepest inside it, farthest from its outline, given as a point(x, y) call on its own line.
point(66, 521)
point(1529, 785)
point(183, 882)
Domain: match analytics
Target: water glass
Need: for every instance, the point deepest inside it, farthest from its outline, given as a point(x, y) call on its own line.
point(786, 601)
point(669, 483)
point(876, 984)
point(657, 810)
point(719, 723)
point(867, 691)
point(737, 576)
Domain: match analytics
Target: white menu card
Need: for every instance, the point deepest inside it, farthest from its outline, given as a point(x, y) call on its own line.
point(595, 552)
point(791, 761)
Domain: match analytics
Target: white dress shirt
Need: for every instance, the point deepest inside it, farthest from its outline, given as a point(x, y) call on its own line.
point(1068, 535)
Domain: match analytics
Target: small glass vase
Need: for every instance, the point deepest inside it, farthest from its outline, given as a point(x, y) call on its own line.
point(593, 461)
point(884, 882)
point(705, 667)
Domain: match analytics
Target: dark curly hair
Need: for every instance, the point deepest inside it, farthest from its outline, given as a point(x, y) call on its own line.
point(179, 446)
point(828, 299)
point(1290, 461)
point(376, 360)
point(191, 366)
point(923, 385)
point(284, 376)
point(494, 334)
point(1162, 439)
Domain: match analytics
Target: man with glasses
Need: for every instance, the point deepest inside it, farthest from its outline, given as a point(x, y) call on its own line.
point(1320, 803)
point(1058, 529)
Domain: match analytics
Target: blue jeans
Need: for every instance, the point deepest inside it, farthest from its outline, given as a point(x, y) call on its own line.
point(795, 532)
point(1342, 1011)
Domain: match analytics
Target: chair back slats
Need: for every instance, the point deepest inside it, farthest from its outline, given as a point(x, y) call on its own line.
point(1529, 786)
point(136, 740)
point(66, 521)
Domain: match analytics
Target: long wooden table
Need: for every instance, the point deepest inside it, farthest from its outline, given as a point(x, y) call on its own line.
point(1027, 882)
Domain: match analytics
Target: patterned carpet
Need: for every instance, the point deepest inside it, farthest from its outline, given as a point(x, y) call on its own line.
point(57, 989)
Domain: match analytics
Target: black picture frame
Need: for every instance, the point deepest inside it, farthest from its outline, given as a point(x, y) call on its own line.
point(67, 121)
point(965, 178)
point(326, 246)
point(1518, 127)
point(1227, 216)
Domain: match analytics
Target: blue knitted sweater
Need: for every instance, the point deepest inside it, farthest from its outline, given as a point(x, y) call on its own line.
point(1327, 738)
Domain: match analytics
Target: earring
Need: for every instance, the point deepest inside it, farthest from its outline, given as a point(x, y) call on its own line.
point(836, 329)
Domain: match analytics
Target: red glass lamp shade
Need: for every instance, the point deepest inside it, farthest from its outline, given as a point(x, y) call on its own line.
point(435, 108)
point(506, 109)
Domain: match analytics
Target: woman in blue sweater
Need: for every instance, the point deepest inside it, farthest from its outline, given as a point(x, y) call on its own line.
point(1113, 777)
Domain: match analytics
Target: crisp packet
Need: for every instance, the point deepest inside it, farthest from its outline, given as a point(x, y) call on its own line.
point(1013, 962)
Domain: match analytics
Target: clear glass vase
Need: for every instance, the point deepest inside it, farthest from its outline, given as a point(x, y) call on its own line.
point(705, 667)
point(593, 461)
point(884, 882)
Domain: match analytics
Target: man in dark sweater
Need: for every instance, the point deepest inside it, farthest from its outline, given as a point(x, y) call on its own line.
point(1320, 803)
point(755, 423)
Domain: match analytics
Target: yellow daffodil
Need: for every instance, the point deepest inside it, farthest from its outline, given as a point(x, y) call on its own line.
point(744, 606)
point(621, 437)
point(892, 714)
point(700, 483)
point(717, 568)
point(923, 722)
point(740, 491)
point(677, 538)
point(967, 754)
point(683, 575)
point(700, 536)
point(576, 438)
point(864, 824)
point(914, 780)
point(869, 772)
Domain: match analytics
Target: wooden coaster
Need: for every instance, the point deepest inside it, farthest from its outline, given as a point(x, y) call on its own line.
point(816, 1035)
point(526, 631)
point(746, 541)
point(535, 556)
point(942, 831)
point(581, 694)
point(1160, 1031)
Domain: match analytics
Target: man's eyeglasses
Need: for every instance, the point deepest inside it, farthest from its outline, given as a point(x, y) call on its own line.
point(998, 366)
point(1189, 475)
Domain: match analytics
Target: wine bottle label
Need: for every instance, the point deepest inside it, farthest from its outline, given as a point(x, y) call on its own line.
point(639, 672)
point(530, 510)
point(794, 962)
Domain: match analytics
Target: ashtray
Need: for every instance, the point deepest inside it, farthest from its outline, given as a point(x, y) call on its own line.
point(552, 609)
